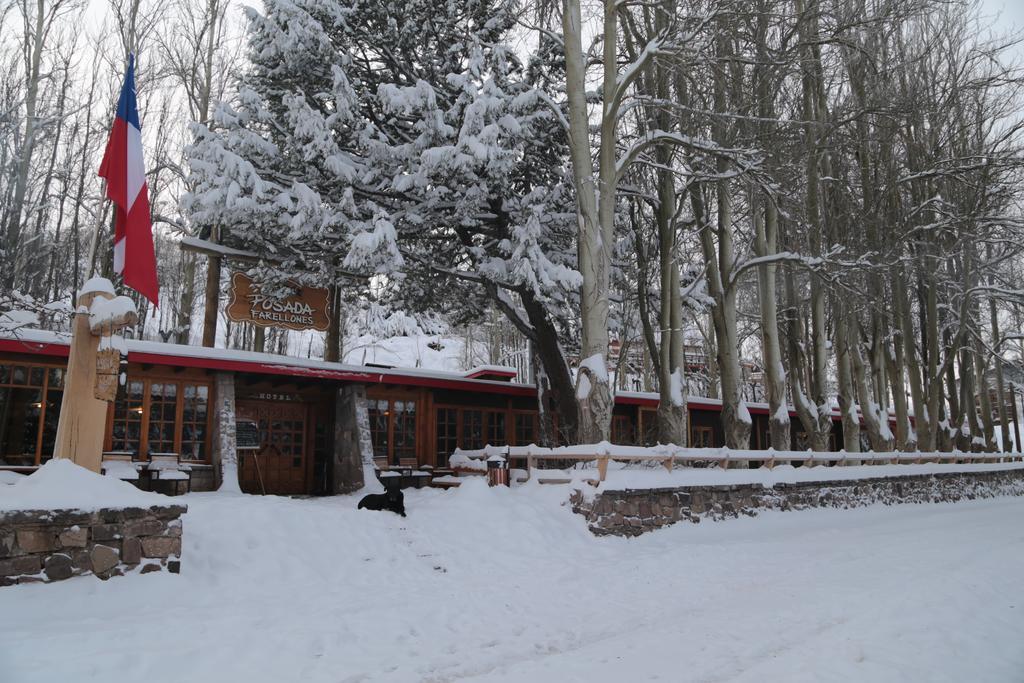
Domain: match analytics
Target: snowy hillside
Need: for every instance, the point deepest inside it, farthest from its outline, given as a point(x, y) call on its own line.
point(428, 352)
point(507, 585)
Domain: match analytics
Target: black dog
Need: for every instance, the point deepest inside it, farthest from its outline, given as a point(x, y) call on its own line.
point(389, 500)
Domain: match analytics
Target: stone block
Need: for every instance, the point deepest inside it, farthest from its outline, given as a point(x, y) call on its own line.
point(36, 540)
point(168, 512)
point(157, 546)
point(149, 526)
point(81, 561)
point(113, 571)
point(150, 567)
point(74, 537)
point(7, 544)
point(173, 528)
point(174, 566)
point(68, 518)
point(131, 552)
point(104, 558)
point(16, 566)
point(129, 514)
point(107, 532)
point(58, 567)
point(110, 516)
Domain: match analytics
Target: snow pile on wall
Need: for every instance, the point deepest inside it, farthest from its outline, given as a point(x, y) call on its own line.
point(61, 484)
point(628, 511)
point(8, 477)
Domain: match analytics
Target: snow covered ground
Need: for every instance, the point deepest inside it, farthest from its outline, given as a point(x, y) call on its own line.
point(507, 585)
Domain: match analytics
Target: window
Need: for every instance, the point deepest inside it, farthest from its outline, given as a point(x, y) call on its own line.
point(163, 411)
point(127, 430)
point(525, 429)
point(380, 418)
point(405, 431)
point(51, 415)
point(30, 397)
point(472, 429)
point(649, 426)
point(447, 434)
point(496, 429)
point(194, 420)
point(162, 416)
point(702, 437)
point(393, 430)
point(622, 430)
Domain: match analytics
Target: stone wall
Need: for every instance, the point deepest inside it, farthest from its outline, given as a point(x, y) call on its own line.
point(225, 453)
point(352, 442)
point(51, 545)
point(631, 512)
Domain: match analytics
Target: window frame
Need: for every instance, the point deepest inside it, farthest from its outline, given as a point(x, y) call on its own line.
point(178, 425)
point(44, 397)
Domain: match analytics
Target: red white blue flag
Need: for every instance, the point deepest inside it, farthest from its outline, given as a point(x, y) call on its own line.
point(125, 172)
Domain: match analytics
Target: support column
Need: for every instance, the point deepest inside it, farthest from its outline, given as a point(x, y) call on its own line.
point(225, 453)
point(88, 387)
point(1016, 425)
point(353, 447)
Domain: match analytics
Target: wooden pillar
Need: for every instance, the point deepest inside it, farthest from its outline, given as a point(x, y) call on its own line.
point(332, 340)
point(83, 416)
point(212, 296)
point(1016, 425)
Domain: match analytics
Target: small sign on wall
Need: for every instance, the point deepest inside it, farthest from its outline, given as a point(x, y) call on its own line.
point(306, 310)
point(247, 435)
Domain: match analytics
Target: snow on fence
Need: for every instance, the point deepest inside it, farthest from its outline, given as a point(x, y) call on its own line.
point(669, 456)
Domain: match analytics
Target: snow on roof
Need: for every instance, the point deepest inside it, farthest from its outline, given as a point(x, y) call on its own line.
point(62, 485)
point(312, 367)
point(152, 351)
point(496, 370)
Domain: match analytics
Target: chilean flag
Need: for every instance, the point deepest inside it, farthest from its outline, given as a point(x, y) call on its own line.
point(125, 172)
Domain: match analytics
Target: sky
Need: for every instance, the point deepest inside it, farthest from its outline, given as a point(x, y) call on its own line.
point(1006, 16)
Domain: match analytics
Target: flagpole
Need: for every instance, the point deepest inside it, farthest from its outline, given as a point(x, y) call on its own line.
point(99, 226)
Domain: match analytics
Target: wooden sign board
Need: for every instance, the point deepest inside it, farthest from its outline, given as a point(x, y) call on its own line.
point(307, 310)
point(247, 435)
point(108, 366)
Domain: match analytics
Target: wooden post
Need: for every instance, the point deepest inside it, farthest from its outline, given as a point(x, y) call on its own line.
point(212, 296)
point(83, 414)
point(1016, 425)
point(332, 340)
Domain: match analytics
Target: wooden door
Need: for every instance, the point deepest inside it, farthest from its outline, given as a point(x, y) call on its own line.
point(279, 466)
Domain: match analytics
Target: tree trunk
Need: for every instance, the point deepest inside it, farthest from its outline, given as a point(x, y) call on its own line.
point(593, 390)
point(34, 39)
point(844, 372)
point(775, 375)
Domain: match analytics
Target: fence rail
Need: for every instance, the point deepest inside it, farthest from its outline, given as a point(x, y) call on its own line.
point(669, 457)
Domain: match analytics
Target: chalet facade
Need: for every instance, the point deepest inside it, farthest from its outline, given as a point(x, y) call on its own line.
point(173, 398)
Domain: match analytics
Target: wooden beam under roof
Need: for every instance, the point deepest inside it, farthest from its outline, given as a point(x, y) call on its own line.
point(200, 246)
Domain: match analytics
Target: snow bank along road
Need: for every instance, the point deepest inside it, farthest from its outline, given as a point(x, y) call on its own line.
point(507, 585)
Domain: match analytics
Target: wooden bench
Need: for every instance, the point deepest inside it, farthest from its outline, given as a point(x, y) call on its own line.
point(121, 465)
point(168, 467)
